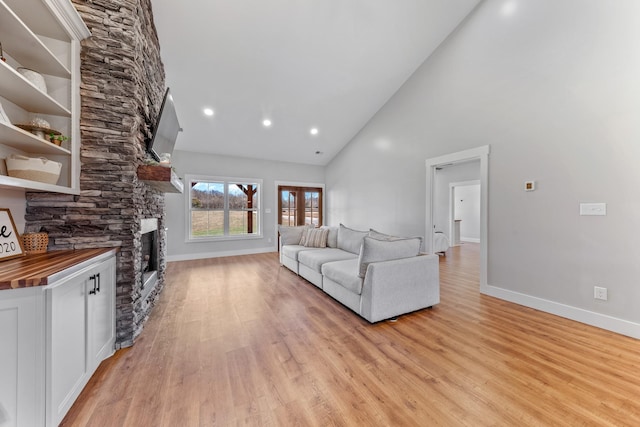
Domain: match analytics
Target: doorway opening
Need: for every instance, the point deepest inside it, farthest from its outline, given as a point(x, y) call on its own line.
point(464, 208)
point(438, 163)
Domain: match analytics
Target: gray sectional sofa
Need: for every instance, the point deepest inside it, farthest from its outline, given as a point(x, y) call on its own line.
point(374, 274)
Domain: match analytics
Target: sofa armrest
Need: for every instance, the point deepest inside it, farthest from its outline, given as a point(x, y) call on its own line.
point(400, 286)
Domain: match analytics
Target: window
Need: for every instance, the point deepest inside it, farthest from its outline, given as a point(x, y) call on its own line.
point(223, 208)
point(299, 205)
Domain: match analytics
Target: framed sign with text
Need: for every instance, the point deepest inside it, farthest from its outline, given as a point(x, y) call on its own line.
point(10, 243)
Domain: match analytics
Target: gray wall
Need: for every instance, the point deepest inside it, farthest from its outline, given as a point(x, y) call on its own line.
point(207, 164)
point(553, 88)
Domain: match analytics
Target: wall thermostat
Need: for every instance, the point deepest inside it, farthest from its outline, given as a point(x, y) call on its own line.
point(529, 185)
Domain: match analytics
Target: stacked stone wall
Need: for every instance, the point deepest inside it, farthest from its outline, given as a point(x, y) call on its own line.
point(122, 84)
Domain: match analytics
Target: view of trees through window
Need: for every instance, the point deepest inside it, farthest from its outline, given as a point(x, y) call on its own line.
point(223, 208)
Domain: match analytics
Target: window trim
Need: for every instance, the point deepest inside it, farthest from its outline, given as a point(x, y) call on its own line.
point(226, 180)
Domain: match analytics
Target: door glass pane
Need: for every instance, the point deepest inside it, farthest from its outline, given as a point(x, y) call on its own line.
point(311, 208)
point(288, 214)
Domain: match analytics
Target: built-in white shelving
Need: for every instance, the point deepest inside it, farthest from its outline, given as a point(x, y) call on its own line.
point(44, 36)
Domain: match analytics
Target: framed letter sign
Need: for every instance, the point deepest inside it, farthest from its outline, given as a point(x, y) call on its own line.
point(10, 243)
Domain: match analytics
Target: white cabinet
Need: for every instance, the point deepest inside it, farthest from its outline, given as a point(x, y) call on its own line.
point(42, 35)
point(101, 314)
point(80, 333)
point(21, 370)
point(52, 339)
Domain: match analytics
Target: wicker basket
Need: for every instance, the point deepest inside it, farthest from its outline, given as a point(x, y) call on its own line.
point(35, 243)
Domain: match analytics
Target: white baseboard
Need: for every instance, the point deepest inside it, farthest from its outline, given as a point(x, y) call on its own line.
point(470, 239)
point(219, 254)
point(598, 320)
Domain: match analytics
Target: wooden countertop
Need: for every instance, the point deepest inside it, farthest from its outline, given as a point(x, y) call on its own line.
point(37, 269)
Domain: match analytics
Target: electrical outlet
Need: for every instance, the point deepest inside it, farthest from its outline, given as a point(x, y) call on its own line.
point(600, 293)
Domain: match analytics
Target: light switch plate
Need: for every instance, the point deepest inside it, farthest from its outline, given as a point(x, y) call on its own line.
point(598, 209)
point(529, 186)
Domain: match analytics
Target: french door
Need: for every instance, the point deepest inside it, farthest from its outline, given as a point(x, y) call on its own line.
point(299, 205)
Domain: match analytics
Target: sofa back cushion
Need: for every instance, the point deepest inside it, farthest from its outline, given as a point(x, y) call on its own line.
point(291, 235)
point(375, 250)
point(382, 236)
point(350, 240)
point(332, 238)
point(316, 238)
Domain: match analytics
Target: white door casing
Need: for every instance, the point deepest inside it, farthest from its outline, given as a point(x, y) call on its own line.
point(479, 153)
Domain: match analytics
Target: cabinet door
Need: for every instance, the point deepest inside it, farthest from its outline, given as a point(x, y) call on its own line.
point(67, 368)
point(101, 312)
point(21, 375)
point(80, 334)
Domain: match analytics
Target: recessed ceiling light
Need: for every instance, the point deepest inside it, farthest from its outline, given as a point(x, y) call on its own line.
point(508, 8)
point(266, 123)
point(208, 112)
point(313, 131)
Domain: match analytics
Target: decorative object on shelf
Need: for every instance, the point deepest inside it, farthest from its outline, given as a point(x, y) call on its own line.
point(3, 116)
point(43, 132)
point(34, 77)
point(33, 168)
point(37, 121)
point(2, 54)
point(35, 243)
point(57, 139)
point(165, 160)
point(10, 243)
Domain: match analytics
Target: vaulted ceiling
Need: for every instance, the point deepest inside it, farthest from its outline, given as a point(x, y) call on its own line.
point(323, 64)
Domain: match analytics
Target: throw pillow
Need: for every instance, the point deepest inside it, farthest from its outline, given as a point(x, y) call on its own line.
point(291, 235)
point(303, 238)
point(317, 238)
point(350, 240)
point(374, 250)
point(332, 238)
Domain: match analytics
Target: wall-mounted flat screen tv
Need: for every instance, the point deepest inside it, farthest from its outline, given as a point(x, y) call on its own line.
point(167, 127)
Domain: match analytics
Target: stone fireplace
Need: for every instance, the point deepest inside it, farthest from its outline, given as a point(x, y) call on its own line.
point(122, 84)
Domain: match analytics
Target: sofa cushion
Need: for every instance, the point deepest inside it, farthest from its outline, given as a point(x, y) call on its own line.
point(350, 240)
point(374, 250)
point(314, 258)
point(292, 251)
point(382, 236)
point(332, 238)
point(344, 273)
point(291, 235)
point(316, 238)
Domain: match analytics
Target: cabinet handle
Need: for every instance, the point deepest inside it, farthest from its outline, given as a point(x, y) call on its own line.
point(98, 282)
point(93, 291)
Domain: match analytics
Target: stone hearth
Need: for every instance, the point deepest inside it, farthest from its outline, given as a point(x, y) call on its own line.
point(121, 91)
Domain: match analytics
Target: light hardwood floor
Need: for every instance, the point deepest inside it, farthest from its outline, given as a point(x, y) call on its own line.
point(243, 341)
